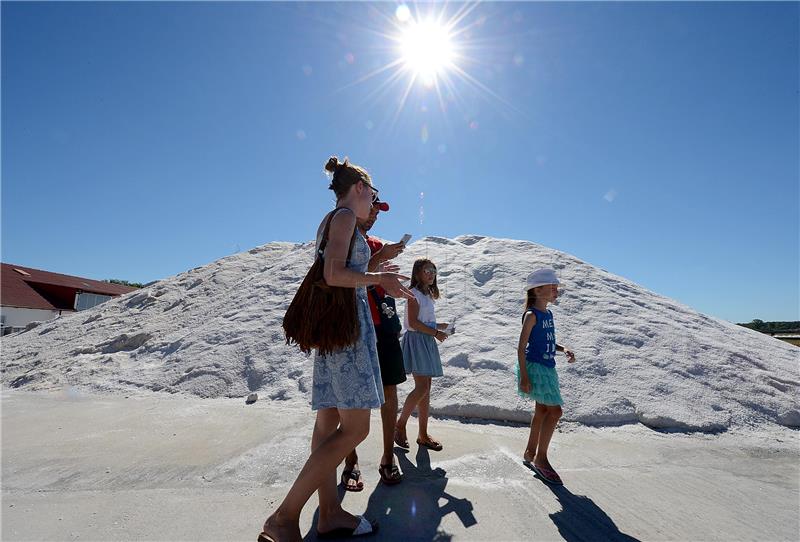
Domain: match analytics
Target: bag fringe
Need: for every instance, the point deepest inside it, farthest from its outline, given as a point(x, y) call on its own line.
point(322, 317)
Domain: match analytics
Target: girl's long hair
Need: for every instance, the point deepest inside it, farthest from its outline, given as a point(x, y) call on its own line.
point(530, 299)
point(433, 291)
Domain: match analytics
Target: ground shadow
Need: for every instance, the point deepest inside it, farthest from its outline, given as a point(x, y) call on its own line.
point(581, 520)
point(410, 510)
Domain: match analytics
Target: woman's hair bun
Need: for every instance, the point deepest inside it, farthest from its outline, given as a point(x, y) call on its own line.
point(343, 175)
point(332, 165)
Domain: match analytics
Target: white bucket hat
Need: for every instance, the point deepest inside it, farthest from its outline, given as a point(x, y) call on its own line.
point(541, 277)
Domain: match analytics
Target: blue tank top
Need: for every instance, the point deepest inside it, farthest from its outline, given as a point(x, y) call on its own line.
point(542, 340)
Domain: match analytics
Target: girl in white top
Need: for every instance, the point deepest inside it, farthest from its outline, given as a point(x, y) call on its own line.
point(420, 352)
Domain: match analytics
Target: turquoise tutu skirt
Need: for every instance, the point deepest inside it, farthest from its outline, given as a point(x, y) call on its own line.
point(545, 388)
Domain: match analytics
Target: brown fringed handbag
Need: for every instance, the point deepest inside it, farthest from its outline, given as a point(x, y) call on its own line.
point(321, 316)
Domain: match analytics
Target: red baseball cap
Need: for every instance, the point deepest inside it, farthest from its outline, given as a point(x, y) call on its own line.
point(382, 205)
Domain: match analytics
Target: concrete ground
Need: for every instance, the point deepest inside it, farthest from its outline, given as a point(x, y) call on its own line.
point(168, 468)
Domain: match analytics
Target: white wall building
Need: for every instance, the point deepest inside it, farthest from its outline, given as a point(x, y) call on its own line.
point(32, 295)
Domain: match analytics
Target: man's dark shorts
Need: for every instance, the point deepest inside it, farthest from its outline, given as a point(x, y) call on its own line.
point(390, 356)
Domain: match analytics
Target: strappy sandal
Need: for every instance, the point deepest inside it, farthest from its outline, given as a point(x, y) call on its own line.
point(401, 441)
point(390, 474)
point(354, 475)
point(431, 444)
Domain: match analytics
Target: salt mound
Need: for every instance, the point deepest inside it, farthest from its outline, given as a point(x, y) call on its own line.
point(216, 331)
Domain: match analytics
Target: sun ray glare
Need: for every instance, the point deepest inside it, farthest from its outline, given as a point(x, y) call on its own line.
point(426, 49)
point(442, 105)
point(373, 73)
point(460, 15)
point(453, 97)
point(427, 53)
point(385, 86)
point(404, 98)
point(455, 33)
point(467, 77)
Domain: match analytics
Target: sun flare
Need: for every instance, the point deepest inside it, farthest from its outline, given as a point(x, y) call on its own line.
point(426, 50)
point(428, 54)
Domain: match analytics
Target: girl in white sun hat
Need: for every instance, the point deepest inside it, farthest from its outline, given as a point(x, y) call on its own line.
point(536, 373)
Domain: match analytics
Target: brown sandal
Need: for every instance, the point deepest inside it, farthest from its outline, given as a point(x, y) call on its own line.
point(401, 441)
point(430, 443)
point(390, 474)
point(355, 475)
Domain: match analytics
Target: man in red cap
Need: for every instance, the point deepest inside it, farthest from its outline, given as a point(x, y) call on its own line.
point(390, 355)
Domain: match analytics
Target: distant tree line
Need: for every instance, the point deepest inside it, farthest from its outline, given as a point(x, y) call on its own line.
point(125, 283)
point(773, 327)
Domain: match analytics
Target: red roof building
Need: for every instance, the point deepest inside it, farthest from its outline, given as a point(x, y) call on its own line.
point(29, 295)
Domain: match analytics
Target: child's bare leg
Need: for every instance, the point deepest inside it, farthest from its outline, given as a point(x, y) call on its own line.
point(419, 391)
point(351, 459)
point(545, 434)
point(388, 419)
point(423, 410)
point(538, 417)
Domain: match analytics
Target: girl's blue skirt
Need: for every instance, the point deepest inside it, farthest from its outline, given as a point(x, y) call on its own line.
point(421, 354)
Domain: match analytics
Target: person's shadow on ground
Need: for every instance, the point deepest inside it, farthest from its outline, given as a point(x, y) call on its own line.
point(410, 510)
point(581, 520)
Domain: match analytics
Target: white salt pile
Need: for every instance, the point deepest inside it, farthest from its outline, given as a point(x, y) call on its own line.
point(215, 331)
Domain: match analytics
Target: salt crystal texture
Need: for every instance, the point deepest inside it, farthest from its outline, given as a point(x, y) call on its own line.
point(215, 331)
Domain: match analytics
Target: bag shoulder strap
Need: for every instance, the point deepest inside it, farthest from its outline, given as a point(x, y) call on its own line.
point(324, 242)
point(374, 293)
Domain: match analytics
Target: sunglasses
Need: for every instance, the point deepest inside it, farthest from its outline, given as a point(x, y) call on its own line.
point(374, 191)
point(430, 271)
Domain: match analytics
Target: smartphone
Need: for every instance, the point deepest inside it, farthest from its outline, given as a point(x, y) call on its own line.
point(406, 238)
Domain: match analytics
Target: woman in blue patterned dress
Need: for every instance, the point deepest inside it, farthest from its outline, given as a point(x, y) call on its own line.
point(346, 383)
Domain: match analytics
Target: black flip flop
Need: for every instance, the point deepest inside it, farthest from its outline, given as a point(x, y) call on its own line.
point(393, 477)
point(352, 474)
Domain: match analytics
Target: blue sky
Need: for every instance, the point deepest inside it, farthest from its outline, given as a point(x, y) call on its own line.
point(657, 141)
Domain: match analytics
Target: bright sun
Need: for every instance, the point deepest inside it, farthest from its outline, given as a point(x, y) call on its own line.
point(426, 50)
point(429, 47)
